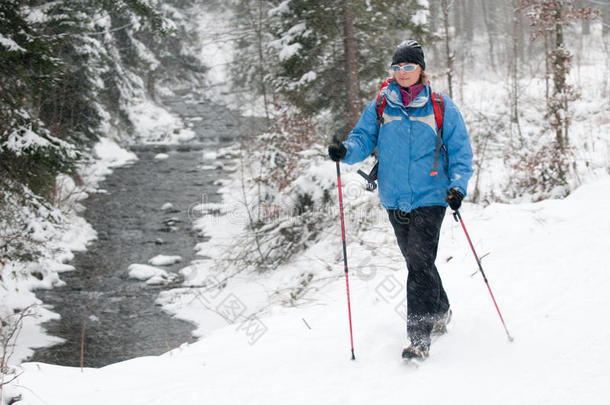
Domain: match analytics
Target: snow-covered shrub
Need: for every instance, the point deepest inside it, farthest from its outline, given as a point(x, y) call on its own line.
point(539, 169)
point(10, 328)
point(283, 191)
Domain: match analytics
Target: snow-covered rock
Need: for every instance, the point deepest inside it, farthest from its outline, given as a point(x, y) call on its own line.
point(150, 274)
point(163, 260)
point(210, 155)
point(167, 206)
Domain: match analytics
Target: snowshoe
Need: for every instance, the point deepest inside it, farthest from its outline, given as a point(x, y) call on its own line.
point(440, 325)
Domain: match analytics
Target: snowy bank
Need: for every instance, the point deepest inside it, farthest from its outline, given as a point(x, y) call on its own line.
point(60, 230)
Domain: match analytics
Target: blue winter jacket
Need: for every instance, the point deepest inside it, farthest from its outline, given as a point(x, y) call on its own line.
point(406, 144)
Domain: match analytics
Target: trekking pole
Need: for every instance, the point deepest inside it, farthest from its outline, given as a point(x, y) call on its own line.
point(349, 308)
point(458, 218)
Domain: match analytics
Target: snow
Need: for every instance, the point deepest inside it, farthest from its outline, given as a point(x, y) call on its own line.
point(167, 206)
point(308, 77)
point(10, 44)
point(297, 30)
point(216, 52)
point(270, 337)
point(210, 155)
point(25, 138)
point(150, 274)
point(163, 260)
point(288, 51)
point(280, 9)
point(551, 291)
point(111, 154)
point(161, 156)
point(420, 17)
point(145, 55)
point(155, 124)
point(16, 296)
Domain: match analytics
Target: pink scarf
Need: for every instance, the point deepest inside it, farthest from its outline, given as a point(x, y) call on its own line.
point(408, 94)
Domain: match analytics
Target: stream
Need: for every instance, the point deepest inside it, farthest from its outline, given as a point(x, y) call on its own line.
point(122, 319)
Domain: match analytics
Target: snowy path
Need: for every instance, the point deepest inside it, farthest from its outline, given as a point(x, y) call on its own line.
point(548, 270)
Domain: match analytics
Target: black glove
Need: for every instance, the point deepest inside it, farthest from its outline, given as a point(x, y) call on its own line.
point(454, 198)
point(337, 151)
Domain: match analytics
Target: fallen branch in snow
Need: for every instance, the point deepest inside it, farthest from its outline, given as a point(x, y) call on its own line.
point(2, 382)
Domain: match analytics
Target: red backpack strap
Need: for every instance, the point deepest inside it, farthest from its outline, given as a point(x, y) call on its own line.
point(380, 103)
point(379, 107)
point(439, 109)
point(439, 113)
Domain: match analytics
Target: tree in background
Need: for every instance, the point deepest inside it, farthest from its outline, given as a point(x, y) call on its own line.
point(55, 56)
point(63, 74)
point(516, 58)
point(449, 55)
point(30, 153)
point(256, 61)
point(323, 57)
point(352, 88)
point(549, 18)
point(319, 62)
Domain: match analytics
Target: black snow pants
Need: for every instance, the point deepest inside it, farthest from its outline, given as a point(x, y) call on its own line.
point(417, 233)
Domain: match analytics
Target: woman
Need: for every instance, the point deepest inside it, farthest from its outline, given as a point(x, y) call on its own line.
point(414, 184)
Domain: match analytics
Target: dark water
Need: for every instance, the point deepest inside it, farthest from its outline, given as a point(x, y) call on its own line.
point(123, 320)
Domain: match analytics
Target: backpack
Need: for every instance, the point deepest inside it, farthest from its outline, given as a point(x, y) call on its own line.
point(439, 112)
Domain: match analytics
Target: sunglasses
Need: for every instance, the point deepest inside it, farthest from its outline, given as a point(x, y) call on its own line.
point(407, 68)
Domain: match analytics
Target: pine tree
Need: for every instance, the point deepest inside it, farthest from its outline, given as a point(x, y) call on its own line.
point(29, 153)
point(256, 57)
point(315, 54)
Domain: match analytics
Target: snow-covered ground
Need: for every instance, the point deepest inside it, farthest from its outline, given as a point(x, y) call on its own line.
point(546, 264)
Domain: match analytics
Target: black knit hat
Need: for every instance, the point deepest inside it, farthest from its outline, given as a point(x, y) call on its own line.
point(409, 52)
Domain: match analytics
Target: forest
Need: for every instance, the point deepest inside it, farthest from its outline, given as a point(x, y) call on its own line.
point(531, 77)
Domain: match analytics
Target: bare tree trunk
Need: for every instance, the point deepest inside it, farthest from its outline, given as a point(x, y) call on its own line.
point(490, 32)
point(261, 59)
point(559, 81)
point(461, 52)
point(448, 54)
point(514, 68)
point(150, 84)
point(605, 19)
point(547, 69)
point(586, 27)
point(521, 36)
point(457, 17)
point(585, 24)
point(433, 9)
point(469, 20)
point(351, 65)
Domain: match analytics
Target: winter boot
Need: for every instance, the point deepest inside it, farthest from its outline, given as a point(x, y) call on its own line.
point(440, 325)
point(416, 352)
